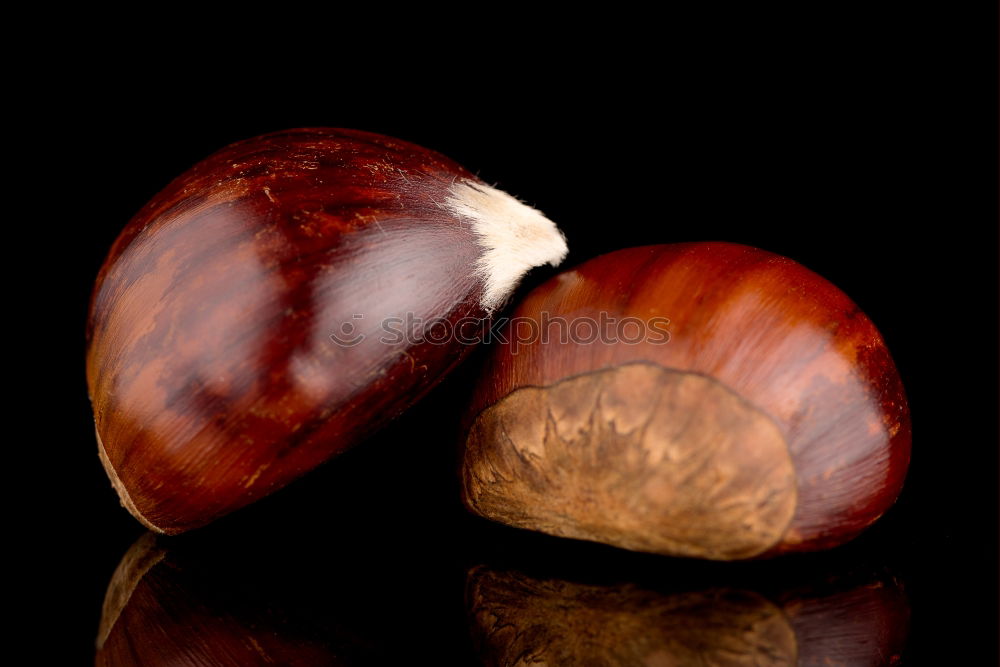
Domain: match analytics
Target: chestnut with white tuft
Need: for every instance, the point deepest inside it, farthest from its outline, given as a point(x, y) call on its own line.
point(237, 329)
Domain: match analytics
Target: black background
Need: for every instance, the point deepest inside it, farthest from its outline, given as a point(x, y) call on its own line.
point(861, 145)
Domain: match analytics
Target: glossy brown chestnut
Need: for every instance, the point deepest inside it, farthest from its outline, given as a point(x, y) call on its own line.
point(278, 302)
point(747, 408)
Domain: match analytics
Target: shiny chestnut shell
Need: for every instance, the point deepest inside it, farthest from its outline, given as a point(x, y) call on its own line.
point(772, 418)
point(238, 329)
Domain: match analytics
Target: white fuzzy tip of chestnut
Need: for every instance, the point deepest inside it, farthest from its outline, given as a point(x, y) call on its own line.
point(515, 237)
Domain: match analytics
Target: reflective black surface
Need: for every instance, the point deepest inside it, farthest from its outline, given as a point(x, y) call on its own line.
point(230, 601)
point(861, 144)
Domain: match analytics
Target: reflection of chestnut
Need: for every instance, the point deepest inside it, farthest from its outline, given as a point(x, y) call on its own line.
point(280, 597)
point(158, 613)
point(770, 417)
point(277, 302)
point(517, 619)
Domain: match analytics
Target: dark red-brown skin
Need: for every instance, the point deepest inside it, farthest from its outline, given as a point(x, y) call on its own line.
point(781, 336)
point(211, 370)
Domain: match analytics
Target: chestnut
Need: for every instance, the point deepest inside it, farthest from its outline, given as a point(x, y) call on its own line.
point(280, 301)
point(706, 400)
